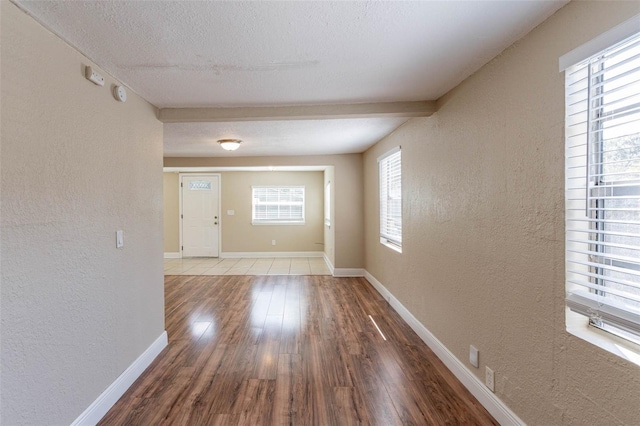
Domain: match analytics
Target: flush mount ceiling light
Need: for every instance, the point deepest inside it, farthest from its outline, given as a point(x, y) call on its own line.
point(230, 144)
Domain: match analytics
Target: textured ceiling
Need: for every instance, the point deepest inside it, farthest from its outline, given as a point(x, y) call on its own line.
point(267, 138)
point(262, 53)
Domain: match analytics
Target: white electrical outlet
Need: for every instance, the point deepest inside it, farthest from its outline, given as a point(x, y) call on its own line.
point(489, 379)
point(273, 242)
point(473, 356)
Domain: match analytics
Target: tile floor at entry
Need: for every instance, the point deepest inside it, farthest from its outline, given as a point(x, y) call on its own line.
point(246, 266)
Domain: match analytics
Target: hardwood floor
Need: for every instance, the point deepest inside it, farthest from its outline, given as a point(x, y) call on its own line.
point(290, 350)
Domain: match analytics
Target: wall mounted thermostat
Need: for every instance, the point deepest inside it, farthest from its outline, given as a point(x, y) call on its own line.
point(120, 93)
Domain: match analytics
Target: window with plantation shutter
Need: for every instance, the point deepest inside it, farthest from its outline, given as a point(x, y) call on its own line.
point(391, 199)
point(283, 205)
point(603, 188)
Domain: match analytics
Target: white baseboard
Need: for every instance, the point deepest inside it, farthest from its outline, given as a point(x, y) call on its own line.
point(343, 272)
point(112, 394)
point(173, 255)
point(348, 272)
point(328, 262)
point(268, 254)
point(488, 399)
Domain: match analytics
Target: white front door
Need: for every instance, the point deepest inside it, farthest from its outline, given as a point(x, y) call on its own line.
point(200, 215)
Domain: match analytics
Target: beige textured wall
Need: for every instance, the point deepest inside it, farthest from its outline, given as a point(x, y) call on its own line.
point(239, 235)
point(483, 229)
point(76, 166)
point(348, 195)
point(171, 201)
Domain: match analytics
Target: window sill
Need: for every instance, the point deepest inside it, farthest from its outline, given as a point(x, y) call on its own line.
point(392, 246)
point(578, 326)
point(277, 223)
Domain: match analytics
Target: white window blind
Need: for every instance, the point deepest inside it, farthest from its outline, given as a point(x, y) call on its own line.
point(327, 204)
point(603, 188)
point(390, 167)
point(278, 204)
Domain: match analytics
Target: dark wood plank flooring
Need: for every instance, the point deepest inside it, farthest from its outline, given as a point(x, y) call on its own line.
point(290, 350)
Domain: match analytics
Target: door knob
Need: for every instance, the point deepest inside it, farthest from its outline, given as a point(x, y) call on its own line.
point(215, 223)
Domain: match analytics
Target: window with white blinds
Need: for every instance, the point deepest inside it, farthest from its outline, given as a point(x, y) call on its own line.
point(327, 204)
point(603, 188)
point(390, 167)
point(277, 205)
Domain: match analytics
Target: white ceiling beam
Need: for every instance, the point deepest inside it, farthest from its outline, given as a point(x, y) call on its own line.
point(297, 112)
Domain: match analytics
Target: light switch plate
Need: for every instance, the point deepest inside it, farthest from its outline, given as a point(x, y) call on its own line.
point(231, 212)
point(119, 239)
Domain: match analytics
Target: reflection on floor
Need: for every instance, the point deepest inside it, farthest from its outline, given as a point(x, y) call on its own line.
point(291, 350)
point(245, 266)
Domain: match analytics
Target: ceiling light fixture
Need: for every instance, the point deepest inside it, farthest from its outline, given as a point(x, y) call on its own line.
point(230, 144)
